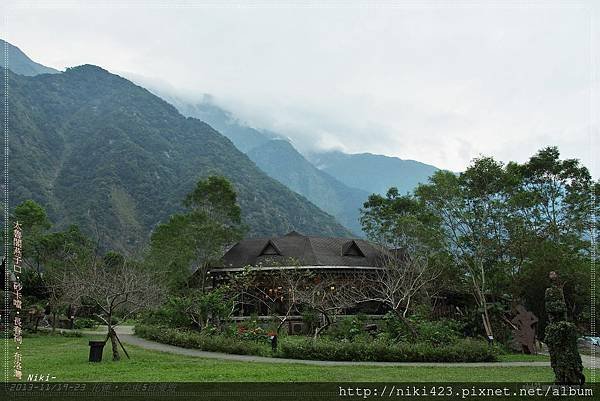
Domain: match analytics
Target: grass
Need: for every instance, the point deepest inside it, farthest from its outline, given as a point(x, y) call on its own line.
point(66, 359)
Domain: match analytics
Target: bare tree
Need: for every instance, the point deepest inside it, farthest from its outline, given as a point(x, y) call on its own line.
point(328, 294)
point(124, 289)
point(400, 280)
point(276, 290)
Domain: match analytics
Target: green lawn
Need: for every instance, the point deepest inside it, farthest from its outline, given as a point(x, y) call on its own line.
point(66, 358)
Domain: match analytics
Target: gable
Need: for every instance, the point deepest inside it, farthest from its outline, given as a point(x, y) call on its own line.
point(351, 248)
point(270, 249)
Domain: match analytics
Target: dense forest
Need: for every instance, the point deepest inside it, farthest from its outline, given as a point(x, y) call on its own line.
point(98, 151)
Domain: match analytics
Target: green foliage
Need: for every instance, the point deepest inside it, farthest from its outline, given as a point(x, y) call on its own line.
point(195, 309)
point(192, 339)
point(561, 339)
point(172, 313)
point(113, 260)
point(435, 332)
point(85, 323)
point(501, 229)
point(31, 216)
point(216, 198)
point(325, 349)
point(348, 328)
point(460, 351)
point(191, 241)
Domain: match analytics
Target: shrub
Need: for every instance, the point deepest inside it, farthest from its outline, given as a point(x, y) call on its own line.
point(213, 343)
point(326, 349)
point(172, 313)
point(460, 351)
point(85, 323)
point(439, 331)
point(47, 333)
point(443, 331)
point(348, 328)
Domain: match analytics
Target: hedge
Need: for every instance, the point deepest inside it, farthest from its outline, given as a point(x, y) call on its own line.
point(464, 350)
point(460, 351)
point(191, 339)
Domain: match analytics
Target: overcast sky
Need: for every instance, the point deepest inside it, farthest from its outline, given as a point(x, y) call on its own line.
point(438, 82)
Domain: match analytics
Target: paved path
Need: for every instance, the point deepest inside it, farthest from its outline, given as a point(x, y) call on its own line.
point(126, 335)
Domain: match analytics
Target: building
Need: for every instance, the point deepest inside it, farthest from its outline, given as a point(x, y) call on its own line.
point(314, 253)
point(338, 262)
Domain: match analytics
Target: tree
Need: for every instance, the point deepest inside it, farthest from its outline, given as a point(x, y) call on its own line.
point(123, 289)
point(35, 223)
point(328, 294)
point(552, 228)
point(44, 254)
point(211, 307)
point(189, 242)
point(507, 225)
point(402, 279)
point(276, 290)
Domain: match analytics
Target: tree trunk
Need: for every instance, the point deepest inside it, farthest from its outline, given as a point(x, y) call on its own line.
point(281, 323)
point(113, 342)
point(319, 330)
point(406, 322)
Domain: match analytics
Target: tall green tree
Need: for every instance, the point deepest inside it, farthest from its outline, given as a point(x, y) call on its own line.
point(189, 242)
point(35, 223)
point(505, 226)
point(553, 224)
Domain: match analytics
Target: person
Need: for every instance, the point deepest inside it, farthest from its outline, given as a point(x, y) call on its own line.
point(47, 311)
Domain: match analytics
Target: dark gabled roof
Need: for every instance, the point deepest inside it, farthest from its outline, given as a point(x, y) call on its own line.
point(270, 249)
point(307, 250)
point(351, 248)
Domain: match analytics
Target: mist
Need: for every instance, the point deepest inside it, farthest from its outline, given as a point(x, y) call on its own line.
point(438, 84)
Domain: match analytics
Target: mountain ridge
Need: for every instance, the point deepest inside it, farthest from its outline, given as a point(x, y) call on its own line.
point(20, 63)
point(280, 160)
point(372, 172)
point(96, 149)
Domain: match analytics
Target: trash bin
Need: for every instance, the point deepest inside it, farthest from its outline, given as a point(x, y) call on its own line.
point(96, 349)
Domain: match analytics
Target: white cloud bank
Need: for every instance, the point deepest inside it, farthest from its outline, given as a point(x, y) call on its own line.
point(427, 81)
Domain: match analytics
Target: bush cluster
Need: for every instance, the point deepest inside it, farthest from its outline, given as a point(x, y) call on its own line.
point(326, 349)
point(85, 323)
point(460, 351)
point(213, 343)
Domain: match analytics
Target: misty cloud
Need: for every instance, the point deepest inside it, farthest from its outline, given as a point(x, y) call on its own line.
point(435, 84)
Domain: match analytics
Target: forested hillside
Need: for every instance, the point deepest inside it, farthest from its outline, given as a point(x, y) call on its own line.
point(96, 150)
point(280, 160)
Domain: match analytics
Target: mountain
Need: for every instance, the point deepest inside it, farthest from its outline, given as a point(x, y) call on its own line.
point(19, 63)
point(243, 137)
point(96, 150)
point(279, 159)
point(373, 173)
point(337, 182)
